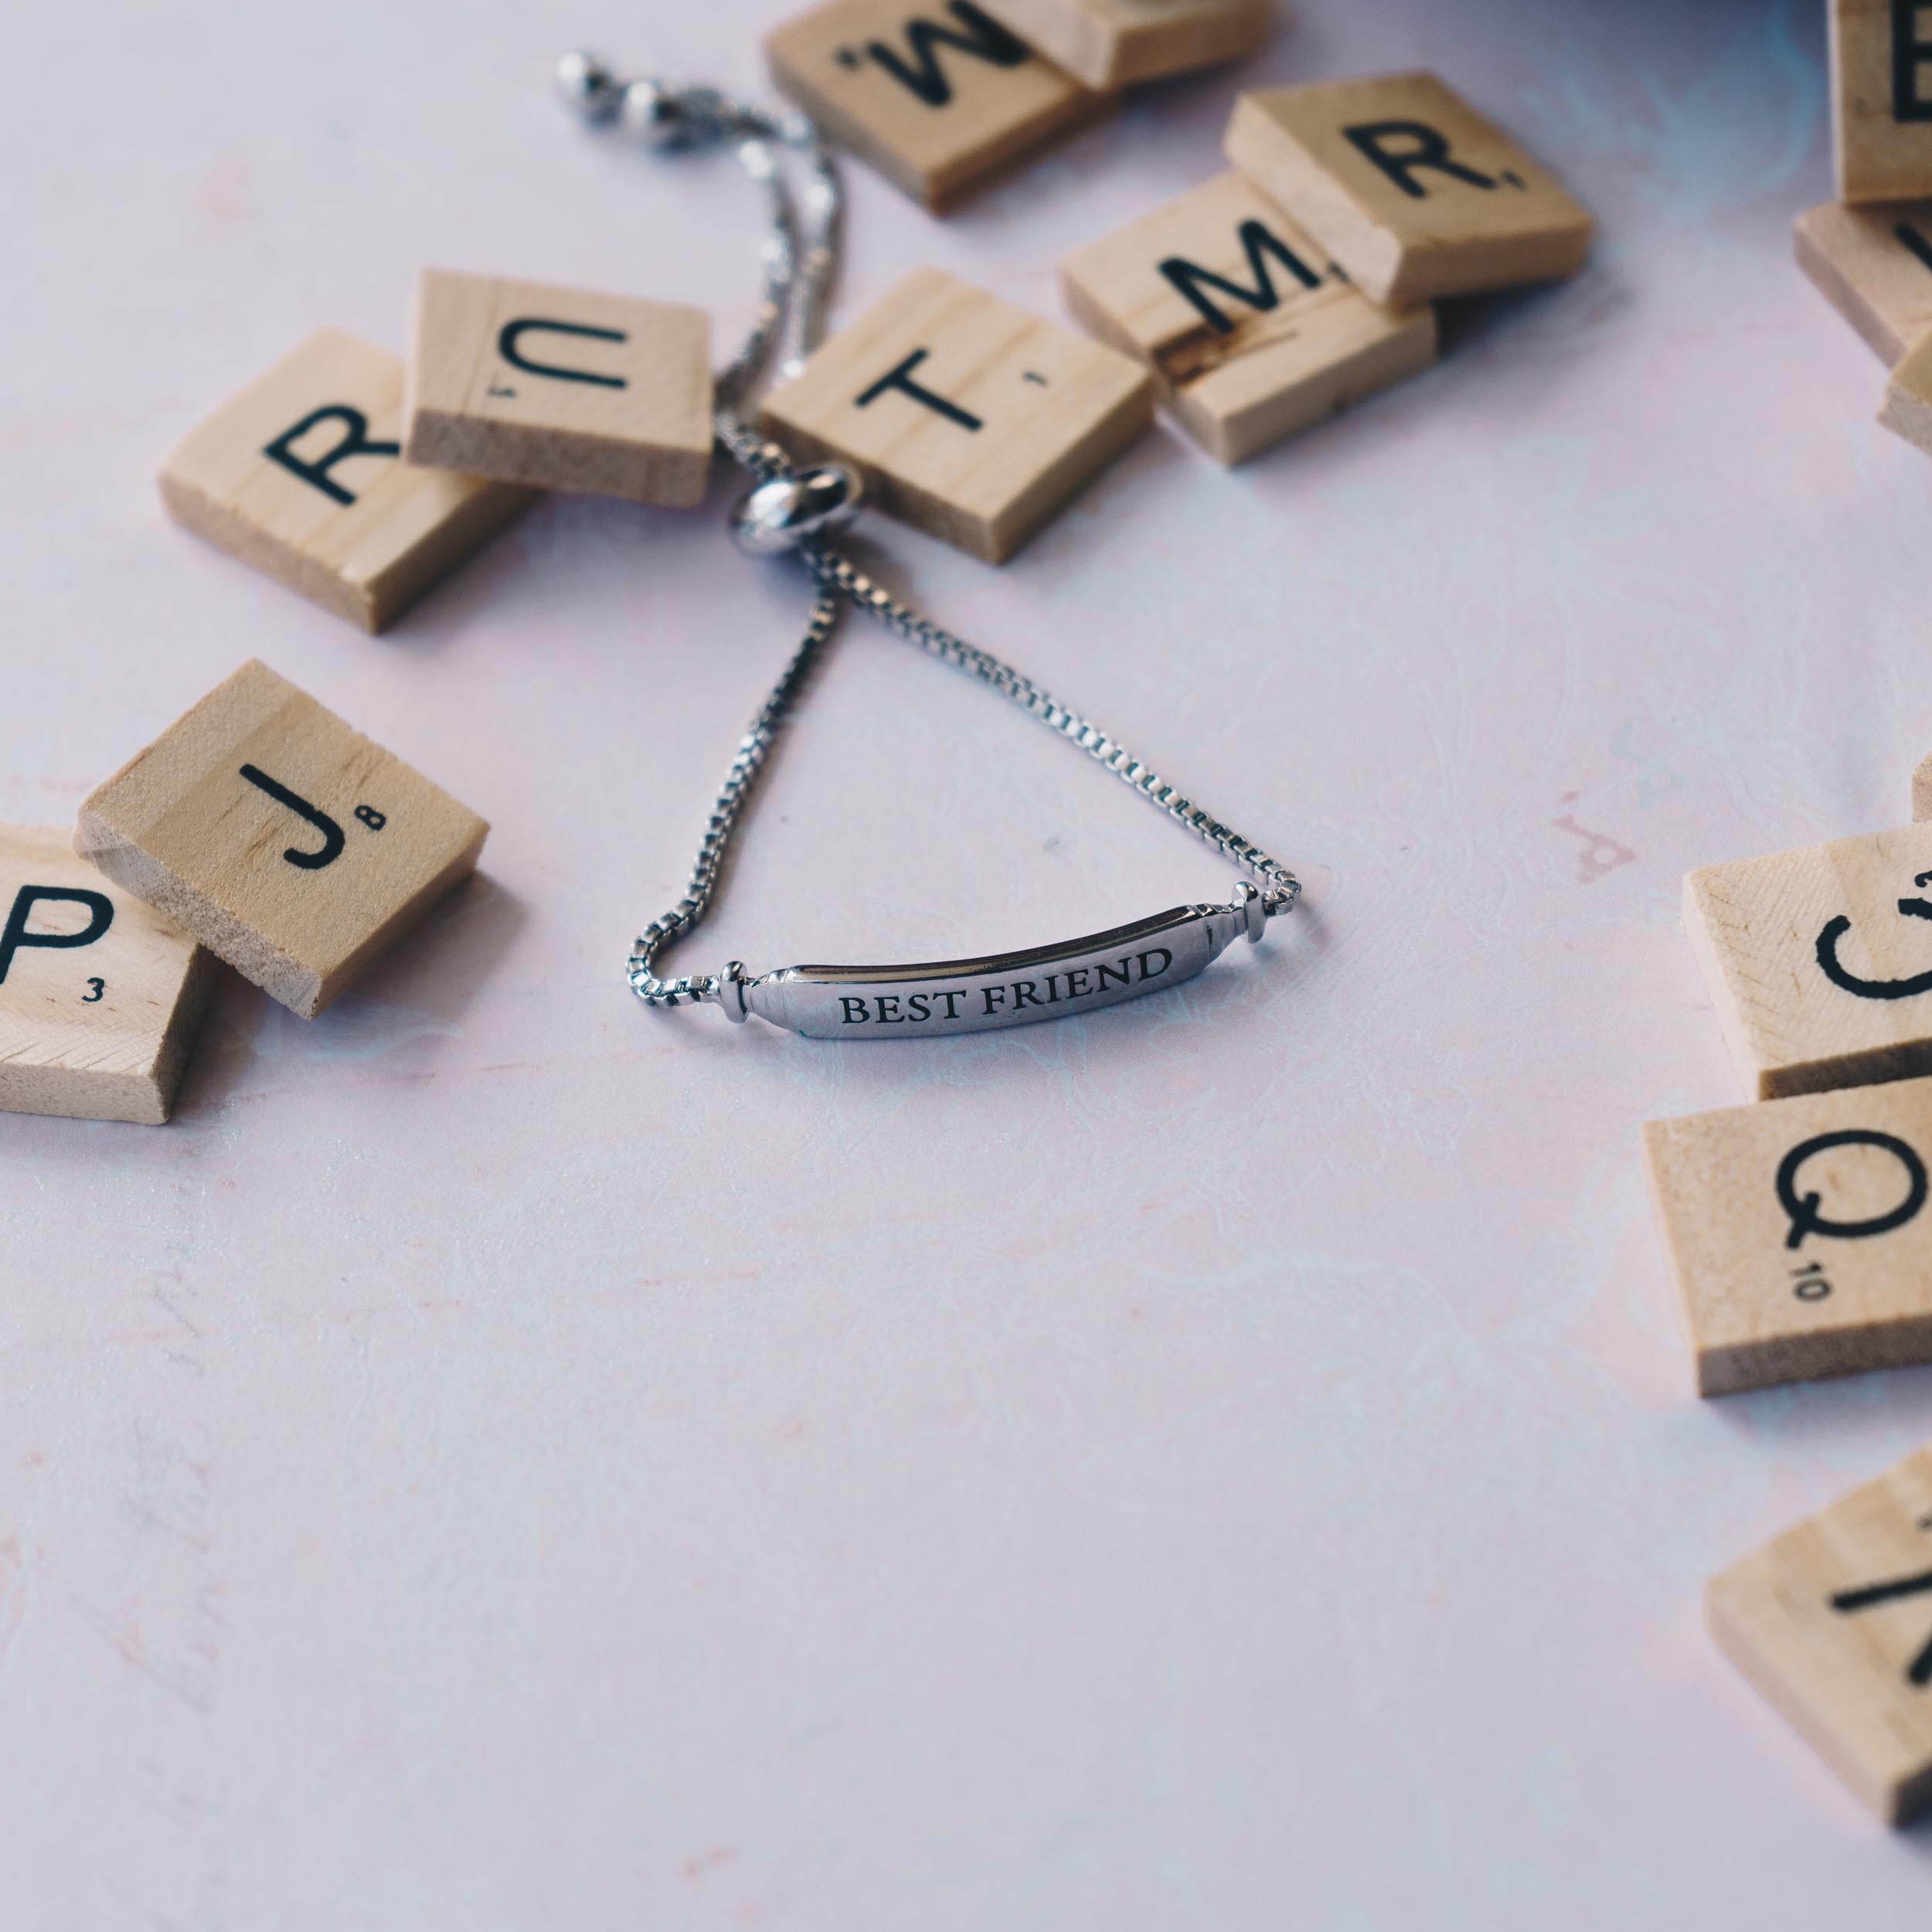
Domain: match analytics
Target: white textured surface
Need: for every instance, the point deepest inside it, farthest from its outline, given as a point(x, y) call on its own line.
point(501, 1459)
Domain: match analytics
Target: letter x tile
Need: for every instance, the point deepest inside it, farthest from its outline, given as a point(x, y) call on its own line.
point(1832, 1622)
point(301, 475)
point(1800, 1232)
point(280, 839)
point(970, 418)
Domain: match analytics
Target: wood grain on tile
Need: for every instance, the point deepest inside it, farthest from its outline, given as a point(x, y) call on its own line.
point(1874, 266)
point(940, 98)
point(1117, 43)
point(1252, 333)
point(1881, 99)
point(1819, 960)
point(1799, 1233)
point(563, 388)
point(100, 994)
point(283, 840)
point(1832, 1622)
point(1411, 190)
point(970, 418)
point(301, 475)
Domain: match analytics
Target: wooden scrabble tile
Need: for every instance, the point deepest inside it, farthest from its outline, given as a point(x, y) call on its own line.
point(1874, 266)
point(1819, 960)
point(1882, 88)
point(970, 418)
point(1832, 1622)
point(1922, 790)
point(1799, 1233)
point(282, 839)
point(301, 475)
point(936, 94)
point(1251, 331)
point(1410, 189)
point(560, 387)
point(99, 996)
point(1907, 408)
point(1117, 43)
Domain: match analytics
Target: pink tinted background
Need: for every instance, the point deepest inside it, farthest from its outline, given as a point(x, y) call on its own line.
point(500, 1459)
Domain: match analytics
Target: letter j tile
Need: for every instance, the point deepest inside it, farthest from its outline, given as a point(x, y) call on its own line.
point(282, 839)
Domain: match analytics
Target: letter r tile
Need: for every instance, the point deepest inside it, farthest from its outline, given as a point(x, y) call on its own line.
point(1411, 190)
point(1819, 960)
point(1831, 1622)
point(282, 839)
point(1800, 1234)
point(970, 419)
point(100, 994)
point(561, 387)
point(300, 475)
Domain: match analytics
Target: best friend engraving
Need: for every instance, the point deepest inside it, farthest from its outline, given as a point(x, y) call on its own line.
point(1130, 973)
point(1003, 989)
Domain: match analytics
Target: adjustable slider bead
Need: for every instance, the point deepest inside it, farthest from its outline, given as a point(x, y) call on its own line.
point(587, 85)
point(651, 115)
point(731, 992)
point(787, 511)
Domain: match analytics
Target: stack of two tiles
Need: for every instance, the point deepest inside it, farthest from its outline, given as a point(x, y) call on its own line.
point(1304, 280)
point(944, 97)
point(359, 479)
point(1870, 251)
point(1800, 1231)
point(259, 829)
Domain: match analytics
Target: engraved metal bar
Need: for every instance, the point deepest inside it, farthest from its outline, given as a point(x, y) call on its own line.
point(1004, 989)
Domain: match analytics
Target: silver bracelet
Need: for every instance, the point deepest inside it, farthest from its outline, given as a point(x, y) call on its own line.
point(794, 512)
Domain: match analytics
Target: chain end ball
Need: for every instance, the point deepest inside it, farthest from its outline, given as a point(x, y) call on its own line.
point(650, 114)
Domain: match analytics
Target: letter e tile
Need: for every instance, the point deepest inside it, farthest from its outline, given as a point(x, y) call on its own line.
point(1410, 189)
